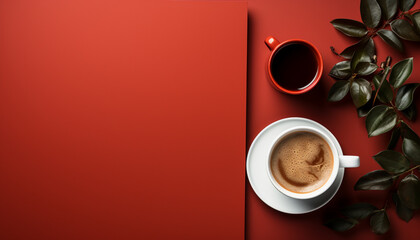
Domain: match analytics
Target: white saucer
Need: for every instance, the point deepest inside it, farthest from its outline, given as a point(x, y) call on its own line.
point(258, 177)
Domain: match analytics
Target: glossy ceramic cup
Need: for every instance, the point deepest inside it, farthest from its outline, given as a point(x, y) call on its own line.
point(339, 161)
point(274, 45)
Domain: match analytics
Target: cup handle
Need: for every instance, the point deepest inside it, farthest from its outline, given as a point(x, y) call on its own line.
point(271, 43)
point(349, 161)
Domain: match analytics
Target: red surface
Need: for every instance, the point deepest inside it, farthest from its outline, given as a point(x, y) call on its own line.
point(122, 120)
point(309, 20)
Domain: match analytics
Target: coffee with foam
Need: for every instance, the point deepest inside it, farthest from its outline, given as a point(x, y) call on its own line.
point(302, 162)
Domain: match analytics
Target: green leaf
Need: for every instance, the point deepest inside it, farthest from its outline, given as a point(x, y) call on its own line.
point(341, 70)
point(404, 30)
point(359, 211)
point(410, 112)
point(408, 133)
point(339, 90)
point(348, 52)
point(369, 48)
point(409, 192)
point(360, 91)
point(341, 225)
point(405, 96)
point(385, 94)
point(411, 149)
point(380, 119)
point(350, 27)
point(365, 68)
point(364, 110)
point(370, 12)
point(391, 39)
point(416, 21)
point(363, 53)
point(359, 56)
point(400, 72)
point(403, 212)
point(379, 222)
point(392, 161)
point(367, 44)
point(389, 8)
point(406, 5)
point(376, 180)
point(396, 133)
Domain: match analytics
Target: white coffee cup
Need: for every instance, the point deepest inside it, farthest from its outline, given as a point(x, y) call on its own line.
point(339, 161)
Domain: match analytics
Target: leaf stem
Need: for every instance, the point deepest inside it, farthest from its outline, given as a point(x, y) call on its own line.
point(411, 12)
point(392, 105)
point(333, 51)
point(386, 203)
point(411, 169)
point(378, 210)
point(387, 68)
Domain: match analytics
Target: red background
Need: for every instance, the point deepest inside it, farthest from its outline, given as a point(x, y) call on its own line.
point(309, 20)
point(122, 119)
point(26, 212)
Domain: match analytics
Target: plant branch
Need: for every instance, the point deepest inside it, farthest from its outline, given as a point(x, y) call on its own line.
point(391, 37)
point(385, 74)
point(409, 170)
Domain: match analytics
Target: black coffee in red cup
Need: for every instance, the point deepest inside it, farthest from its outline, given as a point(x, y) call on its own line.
point(295, 66)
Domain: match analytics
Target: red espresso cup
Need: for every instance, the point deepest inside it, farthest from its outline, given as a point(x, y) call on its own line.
point(284, 61)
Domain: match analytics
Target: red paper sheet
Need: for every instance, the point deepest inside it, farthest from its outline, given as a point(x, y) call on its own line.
point(122, 119)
